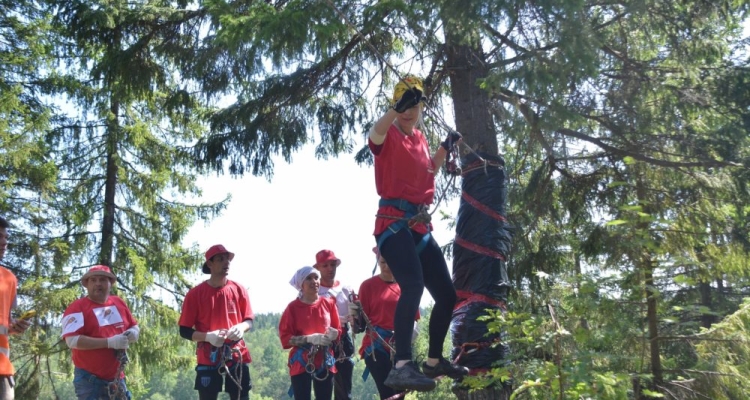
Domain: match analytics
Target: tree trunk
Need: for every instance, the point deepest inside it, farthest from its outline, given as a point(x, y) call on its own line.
point(471, 104)
point(652, 294)
point(706, 319)
point(106, 255)
point(482, 233)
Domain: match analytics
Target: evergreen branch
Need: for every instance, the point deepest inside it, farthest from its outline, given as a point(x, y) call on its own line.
point(641, 157)
point(698, 338)
point(706, 373)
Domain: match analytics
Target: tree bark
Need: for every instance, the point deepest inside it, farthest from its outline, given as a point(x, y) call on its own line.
point(482, 234)
point(647, 265)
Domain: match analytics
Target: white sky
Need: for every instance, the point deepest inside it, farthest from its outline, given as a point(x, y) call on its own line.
point(275, 228)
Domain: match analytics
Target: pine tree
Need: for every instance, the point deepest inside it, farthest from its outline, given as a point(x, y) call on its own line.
point(588, 103)
point(126, 192)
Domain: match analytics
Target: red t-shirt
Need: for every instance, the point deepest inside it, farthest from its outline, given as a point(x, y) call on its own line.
point(207, 309)
point(379, 299)
point(88, 318)
point(403, 170)
point(300, 319)
point(8, 285)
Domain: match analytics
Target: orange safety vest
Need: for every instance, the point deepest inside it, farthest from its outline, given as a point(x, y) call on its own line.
point(8, 285)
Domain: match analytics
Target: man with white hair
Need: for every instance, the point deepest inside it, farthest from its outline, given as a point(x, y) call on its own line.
point(98, 329)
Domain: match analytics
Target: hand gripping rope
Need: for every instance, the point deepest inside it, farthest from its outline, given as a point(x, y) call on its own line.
point(372, 330)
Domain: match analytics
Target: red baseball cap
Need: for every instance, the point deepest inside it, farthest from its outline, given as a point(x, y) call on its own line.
point(325, 256)
point(101, 270)
point(214, 250)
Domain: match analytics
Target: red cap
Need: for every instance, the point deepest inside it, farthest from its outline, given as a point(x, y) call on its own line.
point(325, 256)
point(214, 250)
point(101, 270)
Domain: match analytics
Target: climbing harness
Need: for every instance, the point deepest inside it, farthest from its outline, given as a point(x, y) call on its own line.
point(223, 361)
point(309, 364)
point(413, 214)
point(312, 351)
point(377, 337)
point(228, 351)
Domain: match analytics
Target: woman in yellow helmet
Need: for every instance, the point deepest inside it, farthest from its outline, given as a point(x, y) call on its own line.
point(405, 180)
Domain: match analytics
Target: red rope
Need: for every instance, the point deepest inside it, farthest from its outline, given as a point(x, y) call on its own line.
point(481, 207)
point(479, 249)
point(479, 164)
point(467, 298)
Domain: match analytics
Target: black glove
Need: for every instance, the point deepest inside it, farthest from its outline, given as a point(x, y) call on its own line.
point(453, 138)
point(409, 99)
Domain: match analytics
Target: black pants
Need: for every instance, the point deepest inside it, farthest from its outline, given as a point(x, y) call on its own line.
point(342, 382)
point(379, 369)
point(415, 272)
point(209, 382)
point(302, 383)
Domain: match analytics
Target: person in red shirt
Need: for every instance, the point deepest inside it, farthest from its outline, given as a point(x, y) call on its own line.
point(8, 324)
point(308, 327)
point(216, 314)
point(374, 314)
point(327, 263)
point(405, 181)
point(98, 329)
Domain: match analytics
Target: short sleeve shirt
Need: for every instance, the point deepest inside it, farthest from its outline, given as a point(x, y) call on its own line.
point(88, 318)
point(403, 170)
point(299, 319)
point(207, 309)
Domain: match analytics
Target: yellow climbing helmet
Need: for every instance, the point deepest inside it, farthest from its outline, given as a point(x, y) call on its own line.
point(408, 82)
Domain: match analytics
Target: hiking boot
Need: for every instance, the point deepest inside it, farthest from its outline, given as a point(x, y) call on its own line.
point(444, 367)
point(408, 377)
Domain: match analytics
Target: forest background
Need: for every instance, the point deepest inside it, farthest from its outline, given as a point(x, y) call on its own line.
point(623, 127)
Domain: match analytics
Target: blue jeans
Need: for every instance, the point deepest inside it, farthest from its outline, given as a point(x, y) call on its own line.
point(89, 387)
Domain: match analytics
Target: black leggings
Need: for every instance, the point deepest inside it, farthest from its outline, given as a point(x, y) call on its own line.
point(301, 385)
point(415, 272)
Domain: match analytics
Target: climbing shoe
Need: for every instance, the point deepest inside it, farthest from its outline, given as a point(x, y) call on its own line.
point(444, 367)
point(408, 377)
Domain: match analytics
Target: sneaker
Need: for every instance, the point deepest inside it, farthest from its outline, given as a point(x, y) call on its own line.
point(444, 367)
point(408, 377)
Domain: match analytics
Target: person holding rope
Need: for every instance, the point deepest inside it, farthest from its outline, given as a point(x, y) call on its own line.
point(216, 314)
point(308, 327)
point(326, 263)
point(373, 313)
point(8, 324)
point(98, 329)
point(405, 181)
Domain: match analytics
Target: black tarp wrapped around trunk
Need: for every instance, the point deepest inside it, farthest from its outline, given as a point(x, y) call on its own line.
point(481, 247)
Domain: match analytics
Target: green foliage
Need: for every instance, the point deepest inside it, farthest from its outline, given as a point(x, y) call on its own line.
point(623, 127)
